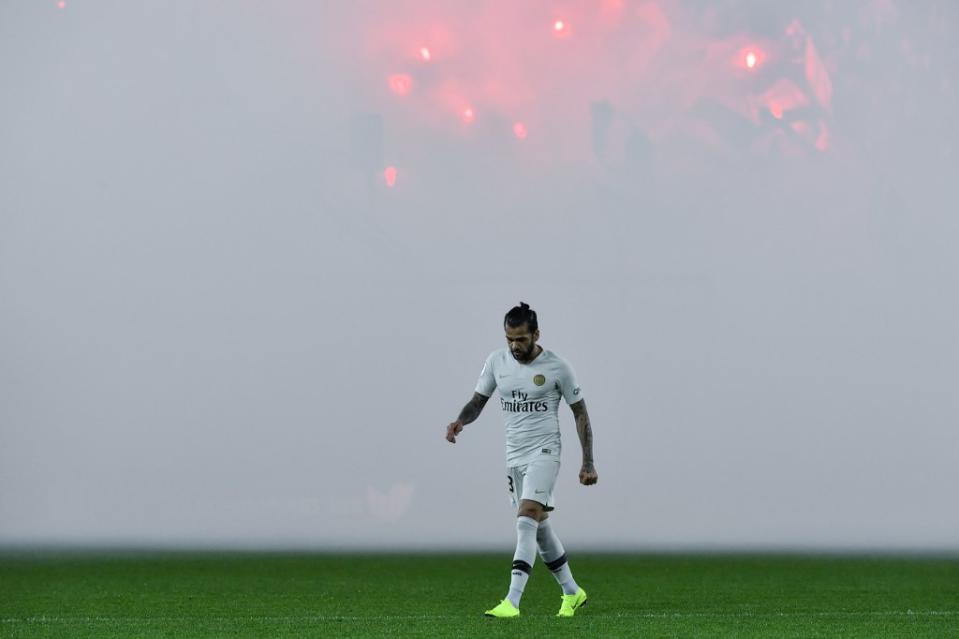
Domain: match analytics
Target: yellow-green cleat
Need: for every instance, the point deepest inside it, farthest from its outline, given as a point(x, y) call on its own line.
point(504, 610)
point(571, 603)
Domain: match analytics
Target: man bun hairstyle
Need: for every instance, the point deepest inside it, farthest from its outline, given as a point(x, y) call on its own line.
point(522, 314)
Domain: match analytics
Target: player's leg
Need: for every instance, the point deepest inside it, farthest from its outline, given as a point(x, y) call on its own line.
point(527, 523)
point(509, 607)
point(542, 474)
point(554, 556)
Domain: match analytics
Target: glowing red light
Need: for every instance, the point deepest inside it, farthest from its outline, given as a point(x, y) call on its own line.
point(560, 28)
point(389, 175)
point(468, 115)
point(519, 130)
point(559, 25)
point(750, 58)
point(776, 109)
point(61, 5)
point(400, 83)
point(425, 54)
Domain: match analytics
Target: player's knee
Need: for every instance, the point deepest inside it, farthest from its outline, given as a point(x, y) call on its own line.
point(531, 510)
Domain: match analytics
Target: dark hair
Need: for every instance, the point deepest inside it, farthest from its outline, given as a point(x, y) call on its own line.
point(522, 314)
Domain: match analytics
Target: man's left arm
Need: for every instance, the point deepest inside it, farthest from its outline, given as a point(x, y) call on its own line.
point(587, 474)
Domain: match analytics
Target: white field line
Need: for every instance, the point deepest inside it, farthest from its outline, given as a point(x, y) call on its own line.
point(639, 615)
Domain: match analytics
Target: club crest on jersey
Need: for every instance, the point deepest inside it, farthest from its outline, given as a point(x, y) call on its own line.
point(539, 380)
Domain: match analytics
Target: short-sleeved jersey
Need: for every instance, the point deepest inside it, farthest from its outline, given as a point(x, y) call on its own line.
point(529, 396)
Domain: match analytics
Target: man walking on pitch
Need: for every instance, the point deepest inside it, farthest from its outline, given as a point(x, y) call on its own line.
point(531, 381)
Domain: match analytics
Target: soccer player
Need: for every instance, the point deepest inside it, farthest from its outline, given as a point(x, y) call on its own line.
point(531, 381)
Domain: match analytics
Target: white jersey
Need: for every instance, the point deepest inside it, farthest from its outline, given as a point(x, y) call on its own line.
point(529, 396)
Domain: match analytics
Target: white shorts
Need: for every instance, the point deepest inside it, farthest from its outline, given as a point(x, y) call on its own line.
point(534, 481)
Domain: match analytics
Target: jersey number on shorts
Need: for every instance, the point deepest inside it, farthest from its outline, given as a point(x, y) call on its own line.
point(510, 478)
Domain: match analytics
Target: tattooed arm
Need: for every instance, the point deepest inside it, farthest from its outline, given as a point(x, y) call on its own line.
point(587, 474)
point(469, 414)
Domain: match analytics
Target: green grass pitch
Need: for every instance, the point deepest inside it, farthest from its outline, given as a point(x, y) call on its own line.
point(424, 595)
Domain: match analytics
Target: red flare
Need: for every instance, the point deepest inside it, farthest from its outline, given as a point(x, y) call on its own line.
point(750, 58)
point(400, 83)
point(389, 175)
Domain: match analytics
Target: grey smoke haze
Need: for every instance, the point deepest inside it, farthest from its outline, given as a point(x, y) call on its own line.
point(218, 325)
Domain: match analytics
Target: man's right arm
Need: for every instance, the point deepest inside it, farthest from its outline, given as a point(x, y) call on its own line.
point(469, 414)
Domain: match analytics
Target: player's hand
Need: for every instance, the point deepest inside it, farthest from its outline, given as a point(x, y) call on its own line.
point(453, 430)
point(587, 475)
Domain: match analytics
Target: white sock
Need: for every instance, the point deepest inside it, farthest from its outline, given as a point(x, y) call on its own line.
point(524, 557)
point(554, 556)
